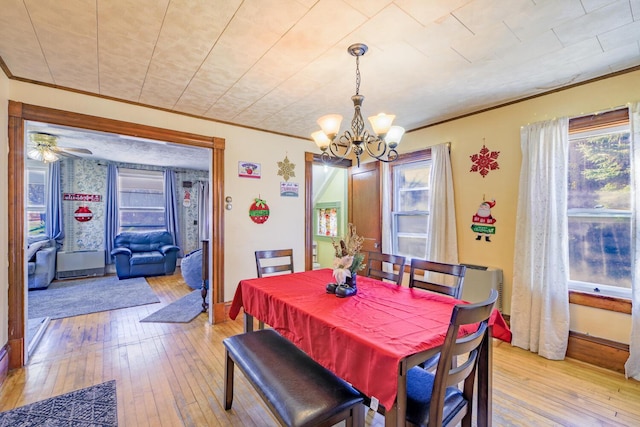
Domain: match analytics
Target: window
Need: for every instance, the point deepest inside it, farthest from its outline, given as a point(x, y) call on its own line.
point(36, 201)
point(410, 176)
point(140, 200)
point(327, 217)
point(599, 204)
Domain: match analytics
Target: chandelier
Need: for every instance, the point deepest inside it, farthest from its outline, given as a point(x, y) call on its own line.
point(42, 147)
point(380, 145)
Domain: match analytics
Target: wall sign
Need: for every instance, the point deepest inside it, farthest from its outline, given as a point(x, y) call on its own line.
point(483, 222)
point(249, 170)
point(289, 189)
point(79, 197)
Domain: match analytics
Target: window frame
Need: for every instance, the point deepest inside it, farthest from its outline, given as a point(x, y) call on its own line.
point(123, 173)
point(611, 122)
point(40, 209)
point(401, 161)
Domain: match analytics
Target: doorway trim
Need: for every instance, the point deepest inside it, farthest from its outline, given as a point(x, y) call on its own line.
point(309, 160)
point(18, 114)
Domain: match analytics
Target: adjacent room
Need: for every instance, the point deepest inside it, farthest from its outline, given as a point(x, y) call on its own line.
point(331, 212)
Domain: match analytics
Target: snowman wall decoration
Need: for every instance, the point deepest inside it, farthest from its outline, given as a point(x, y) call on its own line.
point(483, 221)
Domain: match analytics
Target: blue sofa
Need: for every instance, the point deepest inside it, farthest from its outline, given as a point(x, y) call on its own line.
point(41, 263)
point(139, 254)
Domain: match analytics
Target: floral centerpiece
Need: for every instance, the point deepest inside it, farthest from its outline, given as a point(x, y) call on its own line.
point(348, 261)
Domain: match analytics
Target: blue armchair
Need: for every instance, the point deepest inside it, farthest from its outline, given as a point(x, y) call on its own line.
point(41, 262)
point(139, 254)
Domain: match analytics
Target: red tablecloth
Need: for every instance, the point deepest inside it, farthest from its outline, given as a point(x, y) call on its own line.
point(362, 338)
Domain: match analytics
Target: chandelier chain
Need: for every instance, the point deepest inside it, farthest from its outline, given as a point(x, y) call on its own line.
point(357, 75)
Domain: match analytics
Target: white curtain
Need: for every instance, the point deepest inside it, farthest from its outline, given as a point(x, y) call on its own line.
point(632, 367)
point(442, 245)
point(202, 193)
point(387, 191)
point(540, 300)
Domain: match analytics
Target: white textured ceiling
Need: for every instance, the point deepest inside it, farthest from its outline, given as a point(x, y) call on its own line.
point(277, 65)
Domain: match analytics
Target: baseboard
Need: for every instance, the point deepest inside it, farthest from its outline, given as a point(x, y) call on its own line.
point(598, 351)
point(4, 363)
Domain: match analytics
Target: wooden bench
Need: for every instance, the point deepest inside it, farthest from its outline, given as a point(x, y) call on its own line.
point(297, 390)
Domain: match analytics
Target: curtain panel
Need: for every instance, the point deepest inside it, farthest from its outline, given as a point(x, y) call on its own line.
point(171, 208)
point(110, 212)
point(202, 193)
point(540, 300)
point(632, 366)
point(442, 245)
point(54, 219)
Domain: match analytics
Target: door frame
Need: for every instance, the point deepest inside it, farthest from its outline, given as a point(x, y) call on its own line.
point(18, 114)
point(309, 160)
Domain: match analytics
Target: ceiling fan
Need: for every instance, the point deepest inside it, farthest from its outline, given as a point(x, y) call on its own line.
point(44, 147)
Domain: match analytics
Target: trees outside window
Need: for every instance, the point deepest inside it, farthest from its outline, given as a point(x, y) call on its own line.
point(599, 206)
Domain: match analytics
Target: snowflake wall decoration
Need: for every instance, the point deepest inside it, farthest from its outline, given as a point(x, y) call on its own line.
point(286, 169)
point(484, 161)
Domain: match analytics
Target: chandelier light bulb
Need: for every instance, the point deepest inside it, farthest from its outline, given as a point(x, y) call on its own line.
point(394, 135)
point(321, 139)
point(330, 124)
point(381, 123)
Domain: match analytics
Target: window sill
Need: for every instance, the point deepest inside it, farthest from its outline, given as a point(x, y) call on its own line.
point(620, 305)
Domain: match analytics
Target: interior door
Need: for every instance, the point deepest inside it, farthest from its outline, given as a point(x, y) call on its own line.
point(365, 205)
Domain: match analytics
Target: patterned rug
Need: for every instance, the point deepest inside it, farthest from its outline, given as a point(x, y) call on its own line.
point(94, 406)
point(183, 310)
point(75, 297)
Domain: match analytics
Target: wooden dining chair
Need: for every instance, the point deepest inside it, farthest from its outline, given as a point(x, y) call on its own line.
point(434, 399)
point(446, 279)
point(274, 261)
point(376, 267)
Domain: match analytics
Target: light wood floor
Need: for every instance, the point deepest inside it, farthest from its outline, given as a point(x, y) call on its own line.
point(172, 375)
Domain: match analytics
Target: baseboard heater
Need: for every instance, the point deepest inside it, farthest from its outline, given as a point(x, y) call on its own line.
point(478, 282)
point(71, 265)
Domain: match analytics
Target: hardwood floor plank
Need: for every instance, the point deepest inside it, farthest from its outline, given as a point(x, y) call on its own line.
point(171, 375)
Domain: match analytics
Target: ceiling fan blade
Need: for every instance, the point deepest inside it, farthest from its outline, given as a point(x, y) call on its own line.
point(66, 154)
point(71, 150)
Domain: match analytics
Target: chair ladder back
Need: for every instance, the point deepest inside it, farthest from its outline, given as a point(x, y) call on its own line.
point(447, 375)
point(375, 267)
point(279, 266)
point(455, 271)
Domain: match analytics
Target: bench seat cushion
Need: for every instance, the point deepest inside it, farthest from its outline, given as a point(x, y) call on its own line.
point(297, 388)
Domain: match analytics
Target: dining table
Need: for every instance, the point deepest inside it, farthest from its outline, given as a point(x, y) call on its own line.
point(370, 339)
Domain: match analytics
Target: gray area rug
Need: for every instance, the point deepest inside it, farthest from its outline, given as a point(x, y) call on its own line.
point(183, 310)
point(94, 406)
point(75, 297)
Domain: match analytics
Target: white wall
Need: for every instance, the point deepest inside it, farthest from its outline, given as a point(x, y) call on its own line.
point(4, 232)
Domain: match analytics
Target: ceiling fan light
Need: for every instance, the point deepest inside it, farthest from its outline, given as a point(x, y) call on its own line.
point(49, 156)
point(330, 124)
point(321, 140)
point(381, 123)
point(394, 135)
point(34, 154)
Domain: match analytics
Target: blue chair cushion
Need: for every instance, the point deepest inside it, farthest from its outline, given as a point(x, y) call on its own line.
point(419, 388)
point(154, 257)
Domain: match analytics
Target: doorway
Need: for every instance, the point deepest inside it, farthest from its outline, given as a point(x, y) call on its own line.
point(18, 114)
point(326, 189)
